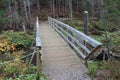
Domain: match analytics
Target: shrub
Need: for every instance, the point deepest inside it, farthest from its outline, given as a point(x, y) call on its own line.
point(10, 69)
point(114, 41)
point(18, 38)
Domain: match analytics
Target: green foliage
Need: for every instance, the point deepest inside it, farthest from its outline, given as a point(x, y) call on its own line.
point(113, 11)
point(114, 41)
point(1, 12)
point(30, 77)
point(6, 1)
point(99, 26)
point(18, 38)
point(107, 70)
point(93, 67)
point(76, 24)
point(3, 1)
point(114, 68)
point(30, 69)
point(22, 73)
point(26, 77)
point(9, 70)
point(1, 16)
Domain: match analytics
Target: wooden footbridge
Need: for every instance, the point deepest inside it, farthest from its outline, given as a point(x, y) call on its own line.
point(64, 50)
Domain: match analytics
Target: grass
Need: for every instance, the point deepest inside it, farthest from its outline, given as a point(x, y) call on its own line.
point(93, 66)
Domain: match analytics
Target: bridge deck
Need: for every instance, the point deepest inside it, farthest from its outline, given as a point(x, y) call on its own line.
point(58, 60)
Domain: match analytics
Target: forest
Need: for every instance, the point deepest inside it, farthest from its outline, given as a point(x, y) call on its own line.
point(17, 34)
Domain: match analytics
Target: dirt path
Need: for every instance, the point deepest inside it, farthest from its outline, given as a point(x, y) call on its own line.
point(58, 60)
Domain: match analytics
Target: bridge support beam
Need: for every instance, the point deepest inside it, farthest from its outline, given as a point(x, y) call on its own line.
point(38, 62)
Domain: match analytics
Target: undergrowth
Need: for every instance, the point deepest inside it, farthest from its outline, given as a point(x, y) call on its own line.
point(106, 70)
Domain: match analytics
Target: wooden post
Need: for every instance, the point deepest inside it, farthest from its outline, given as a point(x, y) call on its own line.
point(38, 60)
point(85, 31)
point(86, 22)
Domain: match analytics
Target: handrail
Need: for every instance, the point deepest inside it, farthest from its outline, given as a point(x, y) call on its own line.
point(38, 40)
point(82, 43)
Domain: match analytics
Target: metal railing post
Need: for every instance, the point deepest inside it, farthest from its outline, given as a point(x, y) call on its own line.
point(38, 62)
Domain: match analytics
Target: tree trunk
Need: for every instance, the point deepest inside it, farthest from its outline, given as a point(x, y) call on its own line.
point(29, 11)
point(70, 9)
point(10, 9)
point(53, 8)
point(25, 10)
point(16, 16)
point(38, 6)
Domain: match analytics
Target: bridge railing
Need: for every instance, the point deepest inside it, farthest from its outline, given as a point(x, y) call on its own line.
point(38, 40)
point(38, 48)
point(82, 43)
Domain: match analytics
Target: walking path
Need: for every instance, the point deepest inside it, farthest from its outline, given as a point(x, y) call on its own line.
point(58, 60)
